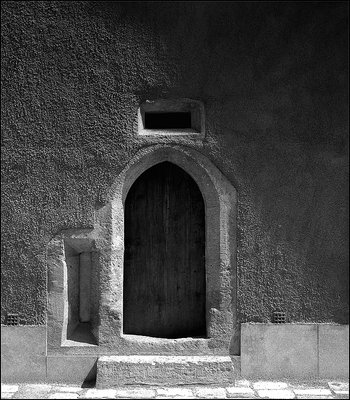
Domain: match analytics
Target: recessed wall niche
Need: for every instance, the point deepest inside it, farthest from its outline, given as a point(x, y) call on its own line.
point(74, 292)
point(171, 117)
point(79, 297)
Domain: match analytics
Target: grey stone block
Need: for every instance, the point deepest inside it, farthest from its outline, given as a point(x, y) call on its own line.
point(279, 351)
point(71, 369)
point(114, 371)
point(23, 354)
point(334, 351)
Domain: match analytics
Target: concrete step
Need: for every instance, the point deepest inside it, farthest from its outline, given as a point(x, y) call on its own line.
point(116, 371)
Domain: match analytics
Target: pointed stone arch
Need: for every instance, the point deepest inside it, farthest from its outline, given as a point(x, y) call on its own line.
point(106, 240)
point(220, 253)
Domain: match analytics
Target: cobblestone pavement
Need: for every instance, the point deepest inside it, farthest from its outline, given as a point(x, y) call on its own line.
point(243, 389)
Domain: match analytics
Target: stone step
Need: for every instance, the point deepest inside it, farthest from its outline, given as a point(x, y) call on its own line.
point(117, 371)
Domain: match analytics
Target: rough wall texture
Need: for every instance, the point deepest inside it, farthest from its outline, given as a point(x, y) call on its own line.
point(273, 78)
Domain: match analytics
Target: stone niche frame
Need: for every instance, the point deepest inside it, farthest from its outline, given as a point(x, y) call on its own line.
point(194, 107)
point(220, 199)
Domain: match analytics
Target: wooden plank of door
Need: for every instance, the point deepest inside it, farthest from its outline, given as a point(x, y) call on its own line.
point(164, 267)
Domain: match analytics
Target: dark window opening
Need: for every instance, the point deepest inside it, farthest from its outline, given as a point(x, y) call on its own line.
point(167, 120)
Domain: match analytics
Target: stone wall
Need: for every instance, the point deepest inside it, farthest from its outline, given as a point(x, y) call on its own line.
point(292, 351)
point(273, 80)
point(297, 351)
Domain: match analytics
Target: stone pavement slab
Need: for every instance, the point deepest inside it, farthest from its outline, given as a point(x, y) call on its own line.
point(243, 389)
point(39, 386)
point(242, 383)
point(269, 385)
point(137, 393)
point(338, 386)
point(7, 395)
point(210, 393)
point(315, 397)
point(9, 388)
point(276, 394)
point(175, 393)
point(240, 392)
point(100, 394)
point(312, 392)
point(33, 391)
point(69, 389)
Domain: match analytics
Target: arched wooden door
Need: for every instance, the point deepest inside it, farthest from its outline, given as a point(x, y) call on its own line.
point(164, 265)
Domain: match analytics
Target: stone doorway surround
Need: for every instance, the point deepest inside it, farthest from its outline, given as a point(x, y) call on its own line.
point(105, 242)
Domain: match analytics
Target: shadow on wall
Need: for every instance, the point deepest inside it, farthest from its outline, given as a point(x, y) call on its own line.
point(90, 380)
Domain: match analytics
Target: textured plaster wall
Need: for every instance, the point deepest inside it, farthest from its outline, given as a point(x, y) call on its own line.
point(273, 79)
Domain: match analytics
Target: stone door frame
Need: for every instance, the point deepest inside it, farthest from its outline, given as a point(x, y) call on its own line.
point(220, 201)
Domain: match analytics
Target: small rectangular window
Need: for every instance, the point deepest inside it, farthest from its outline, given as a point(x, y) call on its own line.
point(167, 120)
point(175, 118)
